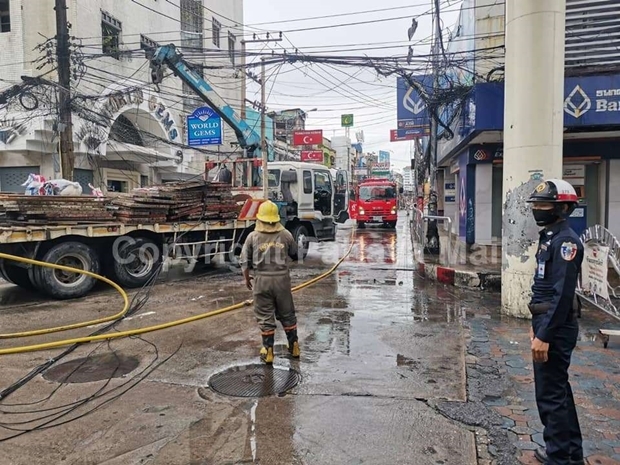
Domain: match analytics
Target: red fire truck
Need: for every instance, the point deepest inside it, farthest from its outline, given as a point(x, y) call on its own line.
point(375, 200)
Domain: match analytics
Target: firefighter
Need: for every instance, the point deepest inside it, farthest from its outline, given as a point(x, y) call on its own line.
point(267, 250)
point(554, 328)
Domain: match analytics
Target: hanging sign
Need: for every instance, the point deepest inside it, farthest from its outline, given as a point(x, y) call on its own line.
point(204, 127)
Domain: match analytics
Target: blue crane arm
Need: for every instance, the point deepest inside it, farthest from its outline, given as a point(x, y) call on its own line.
point(248, 138)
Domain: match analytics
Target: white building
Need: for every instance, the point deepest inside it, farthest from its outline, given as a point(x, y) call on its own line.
point(126, 132)
point(344, 152)
point(408, 179)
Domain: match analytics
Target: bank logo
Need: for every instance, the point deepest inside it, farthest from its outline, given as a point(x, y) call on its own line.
point(462, 199)
point(577, 103)
point(410, 104)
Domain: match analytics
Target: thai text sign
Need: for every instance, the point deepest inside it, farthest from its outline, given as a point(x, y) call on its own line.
point(594, 270)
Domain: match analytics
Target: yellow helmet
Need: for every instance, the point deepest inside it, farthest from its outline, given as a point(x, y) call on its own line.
point(268, 212)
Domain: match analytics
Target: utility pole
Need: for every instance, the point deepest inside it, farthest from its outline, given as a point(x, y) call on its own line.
point(264, 151)
point(432, 233)
point(533, 133)
point(65, 127)
point(263, 107)
point(244, 84)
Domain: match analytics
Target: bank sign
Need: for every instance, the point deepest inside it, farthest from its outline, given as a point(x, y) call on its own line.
point(204, 127)
point(592, 100)
point(411, 110)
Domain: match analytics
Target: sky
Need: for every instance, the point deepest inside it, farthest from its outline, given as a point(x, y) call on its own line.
point(336, 90)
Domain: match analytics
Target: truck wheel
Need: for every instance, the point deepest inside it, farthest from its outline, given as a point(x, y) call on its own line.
point(343, 217)
point(391, 224)
point(300, 234)
point(361, 224)
point(63, 284)
point(140, 260)
point(16, 275)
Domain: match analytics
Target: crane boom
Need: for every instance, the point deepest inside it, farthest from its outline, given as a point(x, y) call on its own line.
point(248, 138)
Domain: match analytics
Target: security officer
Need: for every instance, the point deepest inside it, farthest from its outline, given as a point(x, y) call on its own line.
point(554, 322)
point(268, 250)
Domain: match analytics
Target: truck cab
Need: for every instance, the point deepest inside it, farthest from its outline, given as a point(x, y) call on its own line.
point(375, 201)
point(311, 197)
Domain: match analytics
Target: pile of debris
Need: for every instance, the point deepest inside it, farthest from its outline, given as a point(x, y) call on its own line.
point(35, 209)
point(173, 202)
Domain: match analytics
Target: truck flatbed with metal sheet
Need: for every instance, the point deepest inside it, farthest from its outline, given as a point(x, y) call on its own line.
point(129, 254)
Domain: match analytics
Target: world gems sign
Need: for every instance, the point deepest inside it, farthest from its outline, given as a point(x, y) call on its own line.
point(204, 127)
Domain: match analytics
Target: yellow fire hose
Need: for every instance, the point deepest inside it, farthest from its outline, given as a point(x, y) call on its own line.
point(132, 332)
point(83, 324)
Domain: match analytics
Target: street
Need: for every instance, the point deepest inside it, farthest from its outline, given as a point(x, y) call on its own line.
point(383, 373)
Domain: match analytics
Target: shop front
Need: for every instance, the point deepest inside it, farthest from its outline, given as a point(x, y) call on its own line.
point(473, 160)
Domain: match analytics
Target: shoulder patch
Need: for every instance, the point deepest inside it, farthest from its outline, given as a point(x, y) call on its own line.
point(568, 250)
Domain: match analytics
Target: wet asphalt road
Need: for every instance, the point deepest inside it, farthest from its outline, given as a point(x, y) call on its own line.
point(379, 346)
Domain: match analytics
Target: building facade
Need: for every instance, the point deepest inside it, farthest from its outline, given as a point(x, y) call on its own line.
point(127, 132)
point(471, 177)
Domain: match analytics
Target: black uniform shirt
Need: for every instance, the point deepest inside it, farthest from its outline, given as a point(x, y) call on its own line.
point(558, 262)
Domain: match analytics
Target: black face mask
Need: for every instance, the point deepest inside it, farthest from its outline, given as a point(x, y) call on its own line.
point(545, 217)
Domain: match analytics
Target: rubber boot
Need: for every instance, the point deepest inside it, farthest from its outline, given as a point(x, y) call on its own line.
point(266, 352)
point(541, 456)
point(293, 343)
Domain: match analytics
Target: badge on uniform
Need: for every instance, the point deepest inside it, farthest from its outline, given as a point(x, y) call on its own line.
point(540, 271)
point(568, 251)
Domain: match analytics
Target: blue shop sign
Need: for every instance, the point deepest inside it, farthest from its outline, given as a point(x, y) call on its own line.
point(204, 127)
point(588, 101)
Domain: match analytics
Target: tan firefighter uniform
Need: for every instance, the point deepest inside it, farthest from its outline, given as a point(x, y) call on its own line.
point(267, 251)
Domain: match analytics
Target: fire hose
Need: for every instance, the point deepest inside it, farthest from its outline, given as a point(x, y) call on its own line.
point(121, 314)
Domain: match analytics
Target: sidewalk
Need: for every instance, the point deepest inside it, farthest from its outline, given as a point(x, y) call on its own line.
point(478, 270)
point(500, 378)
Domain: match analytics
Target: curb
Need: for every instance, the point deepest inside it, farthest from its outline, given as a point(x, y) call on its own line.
point(483, 280)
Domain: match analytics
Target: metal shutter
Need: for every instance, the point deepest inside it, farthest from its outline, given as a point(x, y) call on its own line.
point(84, 177)
point(11, 179)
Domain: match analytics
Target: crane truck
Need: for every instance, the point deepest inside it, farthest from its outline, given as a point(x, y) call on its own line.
point(308, 195)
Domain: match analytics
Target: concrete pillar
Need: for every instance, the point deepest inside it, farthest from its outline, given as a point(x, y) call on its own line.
point(533, 133)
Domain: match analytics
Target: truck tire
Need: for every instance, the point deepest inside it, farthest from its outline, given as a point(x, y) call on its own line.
point(361, 224)
point(300, 234)
point(391, 224)
point(66, 285)
point(140, 260)
point(16, 275)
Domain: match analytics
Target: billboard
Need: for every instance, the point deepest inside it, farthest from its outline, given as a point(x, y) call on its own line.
point(396, 137)
point(204, 127)
point(412, 114)
point(308, 137)
point(384, 157)
point(312, 155)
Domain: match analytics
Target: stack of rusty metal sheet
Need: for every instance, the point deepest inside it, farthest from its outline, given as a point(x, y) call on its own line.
point(18, 209)
point(179, 201)
point(173, 202)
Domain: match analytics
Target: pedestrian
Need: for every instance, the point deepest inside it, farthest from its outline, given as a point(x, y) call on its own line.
point(554, 328)
point(268, 251)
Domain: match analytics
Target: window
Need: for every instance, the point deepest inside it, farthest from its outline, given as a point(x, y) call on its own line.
point(111, 35)
point(307, 182)
point(377, 193)
point(144, 181)
point(322, 181)
point(217, 31)
point(274, 179)
point(232, 42)
point(5, 16)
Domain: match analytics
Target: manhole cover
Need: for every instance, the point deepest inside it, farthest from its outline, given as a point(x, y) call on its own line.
point(93, 368)
point(254, 381)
